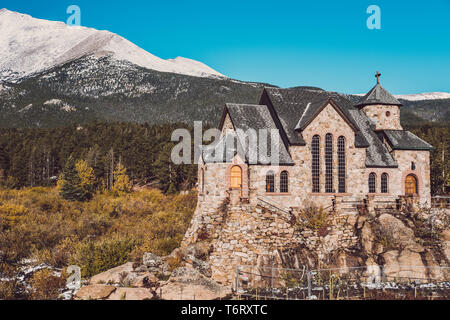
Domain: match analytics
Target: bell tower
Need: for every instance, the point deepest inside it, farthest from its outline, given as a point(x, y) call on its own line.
point(381, 107)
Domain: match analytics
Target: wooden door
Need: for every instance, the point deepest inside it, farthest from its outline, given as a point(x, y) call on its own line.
point(410, 185)
point(236, 177)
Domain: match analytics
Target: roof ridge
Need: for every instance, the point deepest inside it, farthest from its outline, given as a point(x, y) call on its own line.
point(378, 95)
point(303, 114)
point(246, 104)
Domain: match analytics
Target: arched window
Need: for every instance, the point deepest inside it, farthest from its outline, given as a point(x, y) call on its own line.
point(341, 164)
point(236, 177)
point(270, 182)
point(315, 151)
point(384, 183)
point(372, 183)
point(411, 185)
point(328, 163)
point(284, 182)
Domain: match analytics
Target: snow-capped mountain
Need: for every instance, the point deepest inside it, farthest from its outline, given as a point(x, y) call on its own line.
point(418, 96)
point(55, 75)
point(424, 96)
point(102, 88)
point(29, 45)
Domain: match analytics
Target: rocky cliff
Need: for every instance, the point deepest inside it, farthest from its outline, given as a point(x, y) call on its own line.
point(379, 246)
point(408, 243)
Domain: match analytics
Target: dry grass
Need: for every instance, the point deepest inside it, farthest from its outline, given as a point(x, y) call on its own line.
point(96, 235)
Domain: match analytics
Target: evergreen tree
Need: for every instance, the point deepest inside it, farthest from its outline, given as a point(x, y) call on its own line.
point(19, 168)
point(172, 189)
point(70, 182)
point(4, 164)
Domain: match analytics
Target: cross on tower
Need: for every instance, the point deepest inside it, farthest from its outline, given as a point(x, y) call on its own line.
point(378, 75)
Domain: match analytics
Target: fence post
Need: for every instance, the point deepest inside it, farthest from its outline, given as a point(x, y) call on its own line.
point(432, 220)
point(271, 281)
point(309, 284)
point(236, 284)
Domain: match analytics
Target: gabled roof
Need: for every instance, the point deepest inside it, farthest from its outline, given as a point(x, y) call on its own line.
point(377, 154)
point(291, 110)
point(313, 109)
point(221, 152)
point(256, 117)
point(378, 95)
point(294, 107)
point(304, 104)
point(405, 140)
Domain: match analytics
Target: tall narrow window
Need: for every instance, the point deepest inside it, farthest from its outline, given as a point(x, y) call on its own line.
point(384, 183)
point(372, 183)
point(284, 182)
point(270, 182)
point(341, 164)
point(315, 151)
point(328, 163)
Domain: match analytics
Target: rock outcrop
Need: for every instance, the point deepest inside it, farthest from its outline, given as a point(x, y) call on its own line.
point(186, 269)
point(387, 242)
point(189, 284)
point(112, 276)
point(383, 246)
point(94, 292)
point(131, 294)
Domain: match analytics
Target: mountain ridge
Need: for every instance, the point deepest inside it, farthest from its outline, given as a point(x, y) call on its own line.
point(101, 88)
point(29, 45)
point(87, 81)
point(417, 96)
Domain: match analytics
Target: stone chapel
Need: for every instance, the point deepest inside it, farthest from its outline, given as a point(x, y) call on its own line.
point(332, 153)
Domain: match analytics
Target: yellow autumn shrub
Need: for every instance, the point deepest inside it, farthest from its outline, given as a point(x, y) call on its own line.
point(46, 285)
point(122, 183)
point(98, 234)
point(11, 214)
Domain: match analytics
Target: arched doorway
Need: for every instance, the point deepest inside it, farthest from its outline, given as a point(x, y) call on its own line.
point(236, 177)
point(411, 185)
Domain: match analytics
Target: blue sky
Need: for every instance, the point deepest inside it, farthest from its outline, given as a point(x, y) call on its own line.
point(286, 43)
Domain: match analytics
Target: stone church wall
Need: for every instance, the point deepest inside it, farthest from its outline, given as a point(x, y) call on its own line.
point(300, 180)
point(252, 235)
point(385, 117)
point(421, 159)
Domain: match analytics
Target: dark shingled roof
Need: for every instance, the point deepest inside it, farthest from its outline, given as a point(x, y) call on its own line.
point(297, 106)
point(377, 155)
point(291, 110)
point(303, 104)
point(314, 108)
point(378, 95)
point(256, 117)
point(210, 152)
point(405, 140)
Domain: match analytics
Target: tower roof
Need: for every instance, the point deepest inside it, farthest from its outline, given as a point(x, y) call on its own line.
point(378, 95)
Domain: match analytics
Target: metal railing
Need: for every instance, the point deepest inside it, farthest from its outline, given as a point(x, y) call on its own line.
point(367, 282)
point(275, 206)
